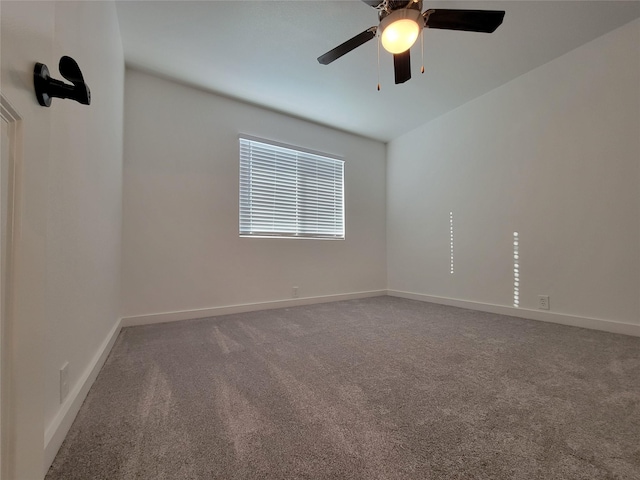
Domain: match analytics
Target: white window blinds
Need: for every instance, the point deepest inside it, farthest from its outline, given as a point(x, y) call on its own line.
point(289, 193)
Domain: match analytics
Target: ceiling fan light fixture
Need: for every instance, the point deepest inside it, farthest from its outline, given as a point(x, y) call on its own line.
point(400, 30)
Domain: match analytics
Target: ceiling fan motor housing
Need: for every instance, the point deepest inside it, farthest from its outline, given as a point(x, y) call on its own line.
point(384, 10)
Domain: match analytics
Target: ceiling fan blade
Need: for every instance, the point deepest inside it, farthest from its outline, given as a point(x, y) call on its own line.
point(347, 46)
point(468, 20)
point(402, 66)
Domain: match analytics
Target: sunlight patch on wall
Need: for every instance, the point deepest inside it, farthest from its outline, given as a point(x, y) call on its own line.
point(451, 240)
point(516, 270)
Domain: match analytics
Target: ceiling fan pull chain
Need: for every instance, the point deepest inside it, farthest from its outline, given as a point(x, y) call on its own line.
point(422, 42)
point(378, 62)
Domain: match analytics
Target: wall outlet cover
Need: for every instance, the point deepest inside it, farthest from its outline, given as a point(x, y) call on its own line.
point(543, 302)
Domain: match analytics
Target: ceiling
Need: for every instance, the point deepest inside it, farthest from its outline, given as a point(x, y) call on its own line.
point(264, 53)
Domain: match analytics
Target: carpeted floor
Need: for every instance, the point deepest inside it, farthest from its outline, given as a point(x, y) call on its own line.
point(379, 388)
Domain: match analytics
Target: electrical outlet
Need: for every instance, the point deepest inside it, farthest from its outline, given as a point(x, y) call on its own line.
point(543, 302)
point(295, 292)
point(64, 381)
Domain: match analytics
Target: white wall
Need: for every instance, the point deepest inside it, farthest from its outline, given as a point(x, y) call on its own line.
point(69, 249)
point(84, 210)
point(554, 155)
point(181, 249)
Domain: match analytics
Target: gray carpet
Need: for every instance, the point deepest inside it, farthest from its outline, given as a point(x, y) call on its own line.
point(380, 388)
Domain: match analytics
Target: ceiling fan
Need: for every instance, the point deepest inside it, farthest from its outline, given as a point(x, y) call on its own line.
point(401, 22)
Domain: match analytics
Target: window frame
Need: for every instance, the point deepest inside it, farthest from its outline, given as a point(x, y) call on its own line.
point(281, 234)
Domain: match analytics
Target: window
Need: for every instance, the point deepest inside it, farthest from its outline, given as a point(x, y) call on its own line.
point(289, 193)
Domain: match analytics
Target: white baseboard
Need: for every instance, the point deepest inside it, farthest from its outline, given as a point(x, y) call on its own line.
point(544, 316)
point(242, 308)
point(59, 427)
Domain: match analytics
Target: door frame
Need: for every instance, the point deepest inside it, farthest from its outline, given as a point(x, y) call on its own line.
point(14, 122)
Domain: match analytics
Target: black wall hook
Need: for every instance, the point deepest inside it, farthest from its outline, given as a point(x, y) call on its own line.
point(47, 87)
